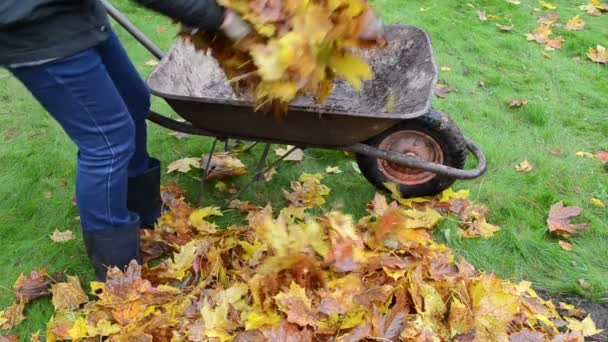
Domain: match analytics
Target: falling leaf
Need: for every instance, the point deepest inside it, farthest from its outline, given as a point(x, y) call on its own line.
point(68, 295)
point(518, 103)
point(575, 24)
point(565, 245)
point(64, 236)
point(296, 155)
point(184, 165)
point(598, 55)
point(152, 63)
point(524, 166)
point(333, 169)
point(560, 217)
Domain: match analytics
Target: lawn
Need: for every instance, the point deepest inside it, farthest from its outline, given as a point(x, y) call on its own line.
point(566, 112)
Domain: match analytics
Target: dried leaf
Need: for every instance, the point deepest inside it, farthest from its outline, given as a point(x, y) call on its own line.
point(560, 217)
point(68, 295)
point(598, 55)
point(598, 203)
point(64, 236)
point(296, 155)
point(586, 326)
point(575, 24)
point(184, 165)
point(11, 316)
point(565, 245)
point(333, 169)
point(602, 156)
point(518, 103)
point(524, 166)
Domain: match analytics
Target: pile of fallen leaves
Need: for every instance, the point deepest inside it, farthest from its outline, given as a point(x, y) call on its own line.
point(297, 48)
point(294, 276)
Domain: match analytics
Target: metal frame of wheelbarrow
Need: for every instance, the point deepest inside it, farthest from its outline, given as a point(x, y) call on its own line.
point(358, 148)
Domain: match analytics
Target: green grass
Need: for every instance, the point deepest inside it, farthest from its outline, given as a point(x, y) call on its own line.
point(567, 111)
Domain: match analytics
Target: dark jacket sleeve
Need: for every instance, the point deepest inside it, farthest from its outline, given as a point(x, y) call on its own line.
point(204, 14)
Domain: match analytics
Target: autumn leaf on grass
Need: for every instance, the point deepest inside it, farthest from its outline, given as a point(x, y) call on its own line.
point(333, 169)
point(547, 5)
point(224, 165)
point(554, 44)
point(518, 103)
point(585, 155)
point(540, 34)
point(598, 55)
point(560, 217)
point(64, 236)
point(575, 24)
point(197, 219)
point(593, 8)
point(565, 245)
point(152, 62)
point(184, 165)
point(297, 306)
point(505, 28)
point(602, 156)
point(9, 338)
point(11, 316)
point(307, 191)
point(482, 15)
point(36, 284)
point(442, 90)
point(524, 166)
point(296, 155)
point(598, 202)
point(548, 19)
point(68, 295)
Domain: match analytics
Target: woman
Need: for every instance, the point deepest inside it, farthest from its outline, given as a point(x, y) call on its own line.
point(66, 54)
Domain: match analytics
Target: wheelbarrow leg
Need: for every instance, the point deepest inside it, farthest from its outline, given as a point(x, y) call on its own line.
point(261, 171)
point(205, 172)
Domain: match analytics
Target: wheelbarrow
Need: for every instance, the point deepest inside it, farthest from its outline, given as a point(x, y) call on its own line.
point(390, 126)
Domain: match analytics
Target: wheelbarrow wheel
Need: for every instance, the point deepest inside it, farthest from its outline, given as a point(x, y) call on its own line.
point(432, 137)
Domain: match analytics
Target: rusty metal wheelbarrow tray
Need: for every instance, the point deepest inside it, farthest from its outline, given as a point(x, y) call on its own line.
point(405, 75)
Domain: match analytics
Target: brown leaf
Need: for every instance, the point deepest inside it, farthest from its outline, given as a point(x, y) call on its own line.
point(224, 165)
point(36, 284)
point(560, 217)
point(287, 332)
point(518, 103)
point(12, 316)
point(68, 295)
point(549, 18)
point(602, 156)
point(442, 90)
point(11, 338)
point(64, 236)
point(565, 245)
point(296, 304)
point(527, 335)
point(598, 55)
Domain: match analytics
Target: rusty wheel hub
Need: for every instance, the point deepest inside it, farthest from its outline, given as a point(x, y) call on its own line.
point(415, 144)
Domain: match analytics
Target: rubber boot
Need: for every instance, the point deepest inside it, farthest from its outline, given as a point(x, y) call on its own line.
point(113, 247)
point(143, 196)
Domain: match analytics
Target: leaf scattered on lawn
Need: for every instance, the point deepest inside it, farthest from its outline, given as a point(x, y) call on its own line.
point(575, 24)
point(598, 55)
point(184, 165)
point(598, 202)
point(565, 245)
point(64, 236)
point(12, 316)
point(268, 175)
point(224, 165)
point(518, 103)
point(333, 169)
point(151, 63)
point(602, 156)
point(297, 155)
point(68, 295)
point(307, 191)
point(560, 217)
point(524, 166)
point(585, 155)
point(505, 28)
point(583, 283)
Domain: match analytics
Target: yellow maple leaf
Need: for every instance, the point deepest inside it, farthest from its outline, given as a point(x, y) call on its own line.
point(449, 194)
point(182, 260)
point(586, 326)
point(547, 5)
point(256, 320)
point(197, 219)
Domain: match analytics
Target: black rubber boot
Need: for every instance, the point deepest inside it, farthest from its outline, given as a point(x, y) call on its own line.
point(112, 247)
point(143, 196)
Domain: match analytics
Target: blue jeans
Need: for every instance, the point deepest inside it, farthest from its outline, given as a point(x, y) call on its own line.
point(101, 102)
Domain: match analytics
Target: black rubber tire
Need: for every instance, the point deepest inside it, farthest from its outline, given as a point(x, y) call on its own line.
point(440, 128)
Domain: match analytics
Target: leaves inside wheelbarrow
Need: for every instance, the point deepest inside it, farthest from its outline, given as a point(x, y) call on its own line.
point(297, 48)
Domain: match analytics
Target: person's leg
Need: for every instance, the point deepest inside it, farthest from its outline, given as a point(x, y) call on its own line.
point(144, 171)
point(78, 92)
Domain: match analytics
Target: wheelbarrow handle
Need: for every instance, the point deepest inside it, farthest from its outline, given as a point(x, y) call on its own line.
point(413, 162)
point(133, 30)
